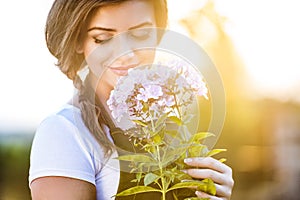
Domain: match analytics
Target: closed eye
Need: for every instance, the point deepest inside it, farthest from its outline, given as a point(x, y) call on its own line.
point(101, 41)
point(141, 33)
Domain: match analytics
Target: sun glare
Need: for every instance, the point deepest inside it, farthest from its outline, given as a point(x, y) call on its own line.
point(266, 36)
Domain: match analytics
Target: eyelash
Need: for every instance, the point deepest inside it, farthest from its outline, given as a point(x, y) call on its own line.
point(97, 41)
point(139, 37)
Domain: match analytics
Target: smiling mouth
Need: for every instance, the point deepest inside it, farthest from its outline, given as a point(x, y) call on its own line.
point(122, 70)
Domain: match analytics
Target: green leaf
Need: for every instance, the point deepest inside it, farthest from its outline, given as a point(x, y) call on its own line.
point(215, 151)
point(176, 120)
point(133, 170)
point(188, 118)
point(197, 150)
point(157, 139)
point(188, 184)
point(200, 136)
point(211, 188)
point(150, 178)
point(161, 119)
point(149, 148)
point(222, 160)
point(184, 133)
point(172, 155)
point(172, 133)
point(139, 122)
point(139, 176)
point(205, 185)
point(137, 190)
point(136, 158)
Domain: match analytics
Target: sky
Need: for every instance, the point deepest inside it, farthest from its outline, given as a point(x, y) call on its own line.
point(265, 33)
point(31, 85)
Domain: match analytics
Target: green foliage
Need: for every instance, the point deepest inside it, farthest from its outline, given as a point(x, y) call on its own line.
point(160, 167)
point(205, 185)
point(150, 178)
point(137, 190)
point(137, 158)
point(215, 151)
point(176, 120)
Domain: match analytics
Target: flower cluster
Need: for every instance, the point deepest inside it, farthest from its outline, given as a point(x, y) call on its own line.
point(151, 90)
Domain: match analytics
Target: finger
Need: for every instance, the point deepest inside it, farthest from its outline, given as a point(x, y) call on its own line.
point(223, 191)
point(208, 162)
point(215, 176)
point(201, 194)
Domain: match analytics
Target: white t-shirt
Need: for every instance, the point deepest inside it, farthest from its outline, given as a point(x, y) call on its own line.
point(63, 146)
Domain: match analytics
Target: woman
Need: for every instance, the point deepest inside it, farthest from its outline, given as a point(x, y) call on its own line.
point(72, 152)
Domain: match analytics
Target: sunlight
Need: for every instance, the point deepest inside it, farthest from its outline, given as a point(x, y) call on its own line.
point(31, 86)
point(267, 38)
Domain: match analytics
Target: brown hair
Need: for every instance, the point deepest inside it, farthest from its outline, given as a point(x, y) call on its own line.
point(65, 23)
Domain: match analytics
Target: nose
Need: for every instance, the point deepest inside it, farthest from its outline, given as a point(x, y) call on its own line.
point(124, 49)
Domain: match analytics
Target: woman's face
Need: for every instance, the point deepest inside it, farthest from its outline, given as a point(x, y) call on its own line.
point(114, 42)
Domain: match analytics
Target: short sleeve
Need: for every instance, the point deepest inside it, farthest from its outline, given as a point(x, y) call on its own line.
point(57, 151)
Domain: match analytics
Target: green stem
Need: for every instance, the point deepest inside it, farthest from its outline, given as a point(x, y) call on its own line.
point(163, 186)
point(163, 181)
point(164, 189)
point(152, 124)
point(176, 105)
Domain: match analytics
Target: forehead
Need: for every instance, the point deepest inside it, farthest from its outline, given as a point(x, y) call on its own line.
point(123, 15)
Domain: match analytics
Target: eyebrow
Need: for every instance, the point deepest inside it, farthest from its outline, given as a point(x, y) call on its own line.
point(114, 30)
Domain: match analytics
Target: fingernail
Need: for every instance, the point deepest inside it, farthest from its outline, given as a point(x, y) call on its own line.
point(188, 160)
point(198, 193)
point(184, 171)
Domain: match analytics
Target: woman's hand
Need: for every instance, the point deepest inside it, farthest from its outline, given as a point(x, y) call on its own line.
point(220, 173)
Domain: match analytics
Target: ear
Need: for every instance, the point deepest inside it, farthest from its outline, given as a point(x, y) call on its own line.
point(79, 48)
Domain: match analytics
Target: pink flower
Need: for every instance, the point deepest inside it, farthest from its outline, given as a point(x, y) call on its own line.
point(167, 101)
point(147, 92)
point(118, 111)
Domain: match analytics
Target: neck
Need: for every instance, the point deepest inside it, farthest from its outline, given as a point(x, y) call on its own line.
point(101, 87)
point(74, 101)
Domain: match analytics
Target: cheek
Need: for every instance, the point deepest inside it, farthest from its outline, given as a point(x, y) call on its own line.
point(105, 83)
point(109, 78)
point(96, 56)
point(146, 56)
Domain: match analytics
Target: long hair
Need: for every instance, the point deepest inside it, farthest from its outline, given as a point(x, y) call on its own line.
point(64, 28)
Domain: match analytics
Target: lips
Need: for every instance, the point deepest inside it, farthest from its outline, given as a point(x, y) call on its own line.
point(122, 70)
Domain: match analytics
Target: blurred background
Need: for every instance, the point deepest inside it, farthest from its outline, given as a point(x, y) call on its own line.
point(253, 43)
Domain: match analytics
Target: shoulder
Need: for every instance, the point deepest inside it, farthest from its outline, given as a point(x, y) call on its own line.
point(66, 119)
point(66, 126)
point(63, 146)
